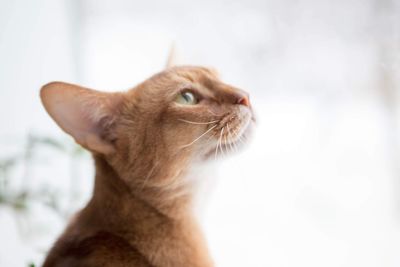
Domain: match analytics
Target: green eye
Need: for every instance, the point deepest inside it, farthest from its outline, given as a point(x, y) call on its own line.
point(186, 98)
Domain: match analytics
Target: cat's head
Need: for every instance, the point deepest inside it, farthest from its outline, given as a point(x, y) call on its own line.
point(179, 116)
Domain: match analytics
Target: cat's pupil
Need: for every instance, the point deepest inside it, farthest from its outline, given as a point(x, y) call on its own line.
point(188, 97)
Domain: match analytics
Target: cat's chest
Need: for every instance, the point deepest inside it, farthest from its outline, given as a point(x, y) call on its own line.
point(175, 248)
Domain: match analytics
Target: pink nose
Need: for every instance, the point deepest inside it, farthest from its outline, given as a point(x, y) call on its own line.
point(244, 100)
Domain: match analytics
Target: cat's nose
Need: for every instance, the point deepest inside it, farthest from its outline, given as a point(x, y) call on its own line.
point(243, 99)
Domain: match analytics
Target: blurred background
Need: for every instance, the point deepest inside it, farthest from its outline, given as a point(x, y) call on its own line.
point(318, 186)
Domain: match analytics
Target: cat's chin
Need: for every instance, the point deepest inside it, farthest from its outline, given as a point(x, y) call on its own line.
point(229, 147)
point(240, 142)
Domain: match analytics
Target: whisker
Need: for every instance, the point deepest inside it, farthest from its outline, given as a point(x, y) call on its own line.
point(220, 141)
point(148, 176)
point(216, 151)
point(216, 148)
point(235, 146)
point(239, 137)
point(208, 139)
point(195, 140)
point(230, 137)
point(201, 123)
point(226, 143)
point(242, 139)
point(218, 115)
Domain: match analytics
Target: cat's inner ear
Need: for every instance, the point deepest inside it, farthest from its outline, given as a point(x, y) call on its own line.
point(87, 115)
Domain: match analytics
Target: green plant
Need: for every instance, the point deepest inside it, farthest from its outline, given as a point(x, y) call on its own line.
point(18, 198)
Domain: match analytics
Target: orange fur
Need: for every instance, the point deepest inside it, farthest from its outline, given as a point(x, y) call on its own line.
point(144, 145)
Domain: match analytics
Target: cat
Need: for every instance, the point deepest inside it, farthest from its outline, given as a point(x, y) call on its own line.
point(145, 142)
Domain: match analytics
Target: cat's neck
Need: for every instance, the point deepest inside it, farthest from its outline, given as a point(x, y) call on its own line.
point(147, 220)
point(174, 204)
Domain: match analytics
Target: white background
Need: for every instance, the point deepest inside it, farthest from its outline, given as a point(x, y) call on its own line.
point(319, 184)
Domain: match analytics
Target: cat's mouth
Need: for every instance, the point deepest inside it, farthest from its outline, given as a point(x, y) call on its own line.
point(231, 134)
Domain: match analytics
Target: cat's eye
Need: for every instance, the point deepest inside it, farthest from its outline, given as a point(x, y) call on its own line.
point(186, 98)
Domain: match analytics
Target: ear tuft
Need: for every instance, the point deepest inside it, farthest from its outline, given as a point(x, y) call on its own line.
point(87, 115)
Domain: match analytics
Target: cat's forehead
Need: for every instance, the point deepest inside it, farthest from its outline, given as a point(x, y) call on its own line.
point(191, 74)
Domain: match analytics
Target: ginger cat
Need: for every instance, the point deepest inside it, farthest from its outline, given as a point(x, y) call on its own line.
point(144, 143)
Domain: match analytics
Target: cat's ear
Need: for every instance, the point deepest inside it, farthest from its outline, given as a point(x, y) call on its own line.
point(87, 115)
point(172, 59)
